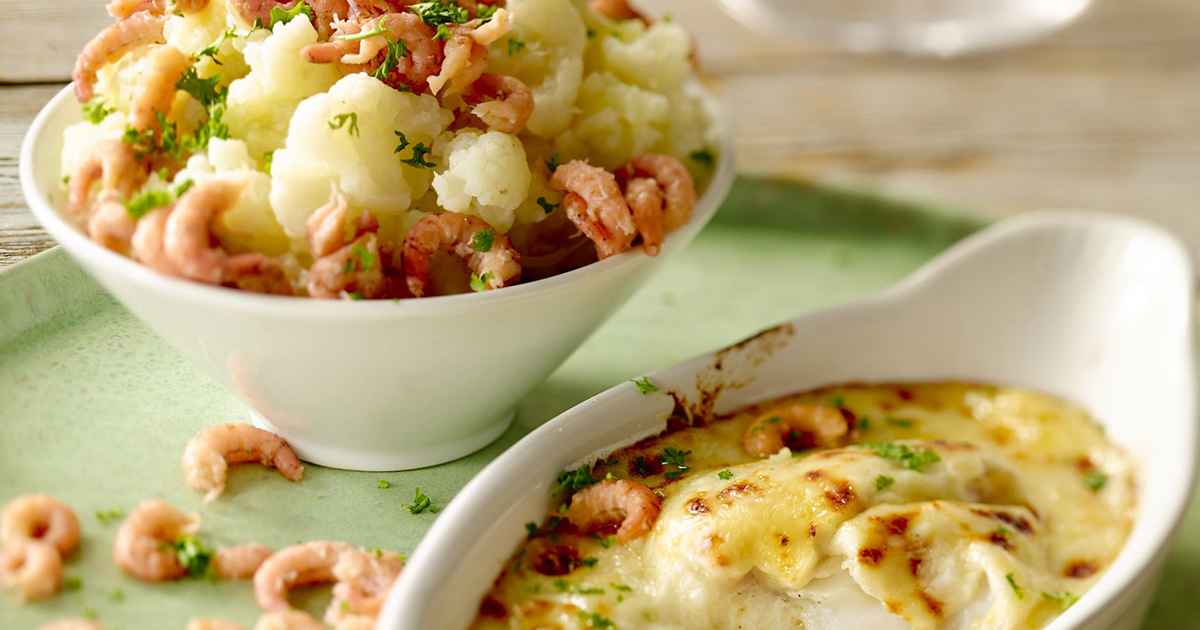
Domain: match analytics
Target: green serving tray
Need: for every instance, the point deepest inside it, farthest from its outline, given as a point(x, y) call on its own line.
point(95, 409)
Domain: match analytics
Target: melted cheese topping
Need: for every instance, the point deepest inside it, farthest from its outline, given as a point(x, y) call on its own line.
point(1025, 505)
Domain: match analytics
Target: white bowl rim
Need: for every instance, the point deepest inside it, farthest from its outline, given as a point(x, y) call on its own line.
point(79, 245)
point(1169, 515)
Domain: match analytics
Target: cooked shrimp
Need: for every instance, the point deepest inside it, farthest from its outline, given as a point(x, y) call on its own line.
point(239, 563)
point(187, 238)
point(798, 427)
point(616, 10)
point(144, 546)
point(679, 190)
point(423, 58)
point(72, 624)
point(354, 267)
point(498, 26)
point(211, 623)
point(645, 200)
point(631, 504)
point(498, 266)
point(115, 165)
point(208, 455)
point(464, 62)
point(147, 241)
point(40, 517)
point(504, 103)
point(257, 273)
point(139, 29)
point(31, 567)
point(595, 204)
point(287, 620)
point(121, 9)
point(155, 93)
point(110, 224)
point(326, 226)
point(290, 567)
point(325, 11)
point(363, 581)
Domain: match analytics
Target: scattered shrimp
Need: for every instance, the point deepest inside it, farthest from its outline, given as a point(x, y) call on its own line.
point(287, 620)
point(504, 103)
point(616, 10)
point(595, 204)
point(211, 623)
point(147, 242)
point(110, 225)
point(798, 427)
point(424, 52)
point(363, 581)
point(612, 501)
point(115, 165)
point(40, 517)
point(208, 455)
point(121, 9)
point(679, 190)
point(155, 93)
point(645, 200)
point(31, 567)
point(239, 563)
point(144, 546)
point(499, 266)
point(139, 29)
point(72, 624)
point(290, 567)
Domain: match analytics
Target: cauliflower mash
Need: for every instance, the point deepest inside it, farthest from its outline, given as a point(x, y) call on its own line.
point(383, 149)
point(893, 506)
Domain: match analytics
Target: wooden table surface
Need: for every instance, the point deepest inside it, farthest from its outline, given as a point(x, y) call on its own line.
point(1102, 115)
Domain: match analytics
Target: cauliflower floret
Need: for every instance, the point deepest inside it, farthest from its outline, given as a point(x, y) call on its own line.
point(249, 225)
point(347, 138)
point(80, 138)
point(486, 175)
point(655, 59)
point(261, 104)
point(616, 121)
point(551, 63)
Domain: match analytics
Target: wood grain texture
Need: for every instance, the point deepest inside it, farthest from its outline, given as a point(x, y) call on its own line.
point(1103, 115)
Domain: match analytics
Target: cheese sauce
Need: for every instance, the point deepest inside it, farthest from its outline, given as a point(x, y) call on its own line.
point(939, 506)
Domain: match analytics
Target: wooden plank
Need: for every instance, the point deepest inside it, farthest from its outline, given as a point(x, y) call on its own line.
point(20, 235)
point(41, 39)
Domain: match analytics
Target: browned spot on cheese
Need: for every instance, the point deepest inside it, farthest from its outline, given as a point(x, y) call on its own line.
point(1081, 569)
point(1020, 523)
point(738, 489)
point(783, 540)
point(996, 538)
point(491, 607)
point(840, 494)
point(812, 530)
point(1083, 463)
point(697, 506)
point(904, 394)
point(552, 559)
point(932, 604)
point(892, 606)
point(896, 525)
point(870, 556)
point(914, 565)
point(814, 475)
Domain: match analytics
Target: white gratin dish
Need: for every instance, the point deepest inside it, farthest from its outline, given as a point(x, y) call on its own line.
point(1094, 308)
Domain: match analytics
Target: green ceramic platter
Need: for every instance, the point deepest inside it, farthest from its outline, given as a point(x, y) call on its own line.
point(96, 410)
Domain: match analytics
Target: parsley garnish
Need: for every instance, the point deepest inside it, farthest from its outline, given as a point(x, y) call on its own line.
point(383, 484)
point(589, 562)
point(573, 481)
point(1095, 481)
point(532, 531)
point(362, 258)
point(515, 46)
point(553, 163)
point(608, 541)
point(421, 503)
point(674, 457)
point(483, 240)
point(340, 121)
point(208, 91)
point(403, 141)
point(395, 51)
point(184, 187)
point(910, 458)
point(883, 481)
point(111, 514)
point(639, 467)
point(479, 284)
point(213, 49)
point(725, 475)
point(356, 37)
point(621, 587)
point(440, 13)
point(838, 401)
point(595, 620)
point(486, 11)
point(117, 595)
point(72, 583)
point(1064, 601)
point(645, 386)
point(94, 110)
point(268, 159)
point(864, 424)
point(1016, 589)
point(1003, 531)
point(418, 157)
point(703, 156)
point(546, 205)
point(899, 422)
point(141, 205)
point(195, 557)
point(279, 15)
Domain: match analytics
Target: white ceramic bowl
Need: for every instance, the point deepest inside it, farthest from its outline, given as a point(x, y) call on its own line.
point(364, 385)
point(1093, 308)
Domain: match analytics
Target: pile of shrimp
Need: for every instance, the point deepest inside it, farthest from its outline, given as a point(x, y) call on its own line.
point(37, 532)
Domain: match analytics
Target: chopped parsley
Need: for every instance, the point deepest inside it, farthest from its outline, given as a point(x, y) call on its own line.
point(703, 156)
point(1003, 531)
point(910, 458)
point(485, 12)
point(899, 422)
point(117, 595)
point(142, 204)
point(403, 141)
point(211, 51)
point(864, 424)
point(383, 484)
point(111, 514)
point(883, 481)
point(268, 159)
point(639, 467)
point(546, 205)
point(838, 401)
point(532, 531)
point(621, 587)
point(193, 556)
point(72, 583)
point(418, 157)
point(515, 46)
point(284, 16)
point(590, 563)
point(440, 13)
point(356, 37)
point(674, 457)
point(1095, 481)
point(94, 110)
point(573, 481)
point(421, 503)
point(483, 240)
point(184, 187)
point(1016, 588)
point(362, 258)
point(645, 386)
point(208, 91)
point(340, 121)
point(1064, 601)
point(608, 541)
point(395, 51)
point(479, 284)
point(595, 590)
point(725, 475)
point(596, 620)
point(553, 163)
